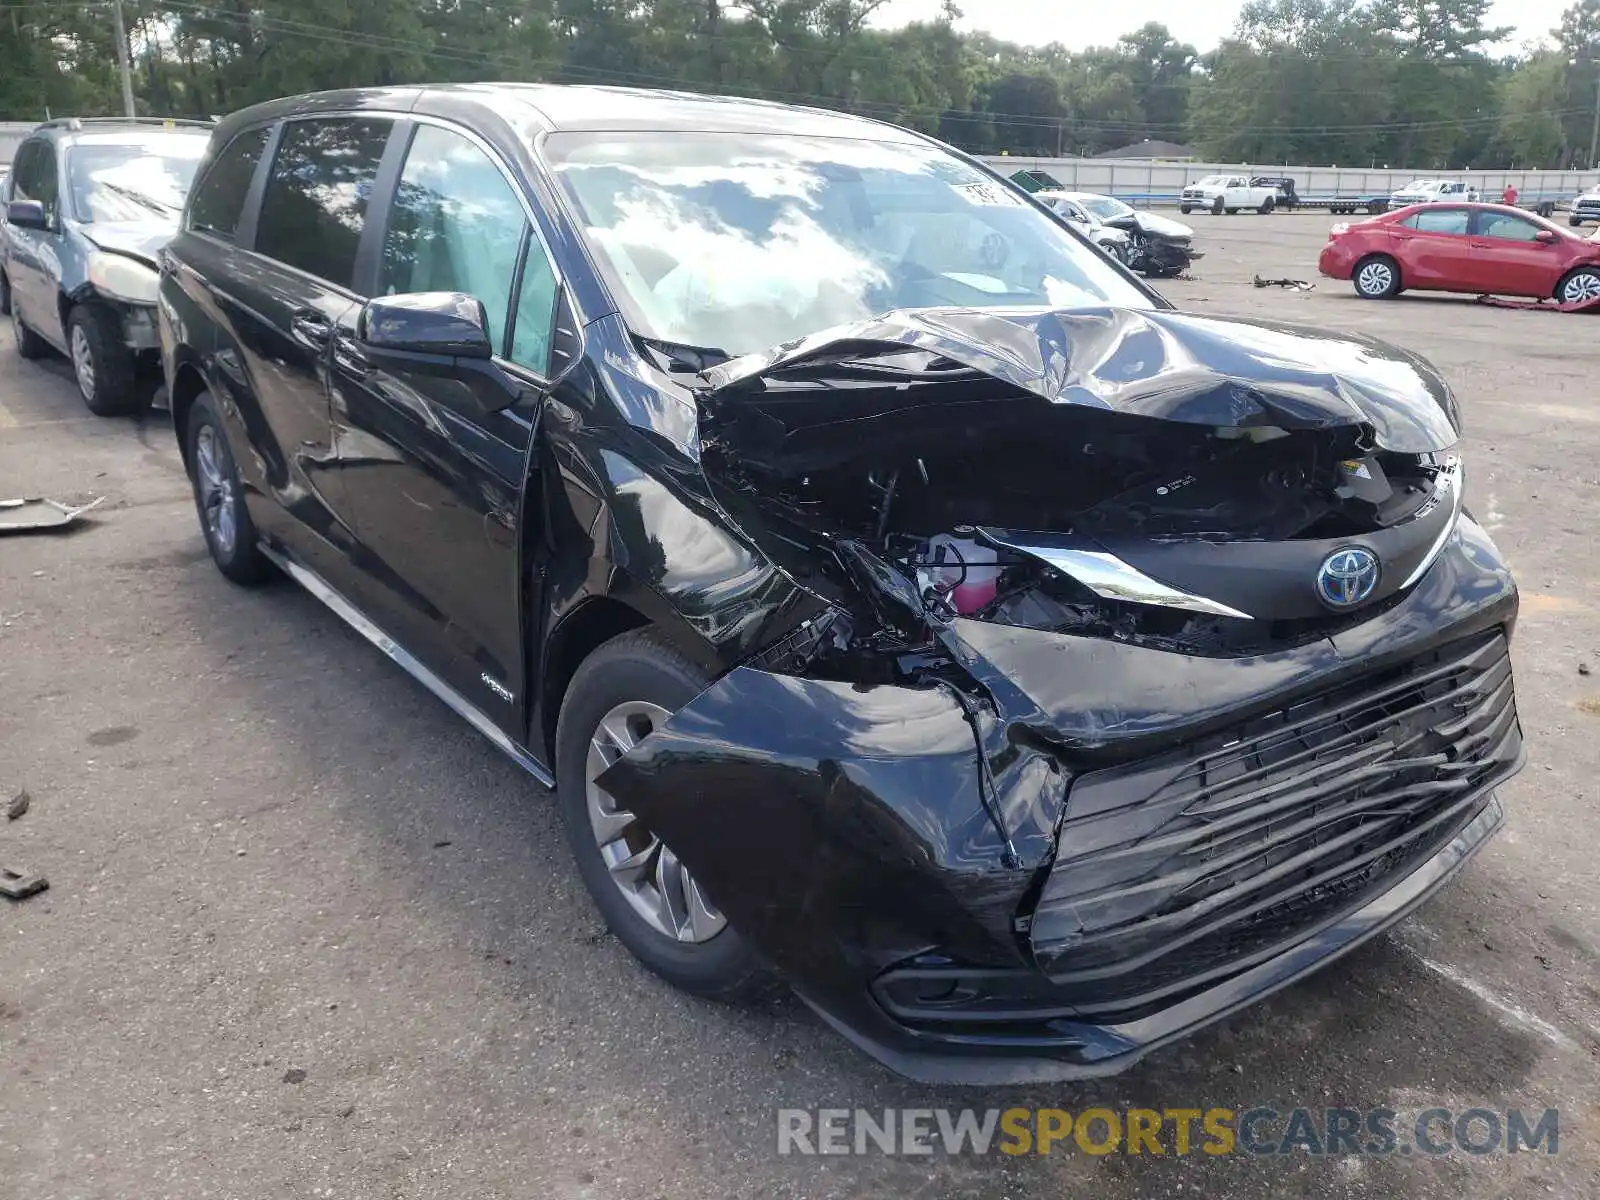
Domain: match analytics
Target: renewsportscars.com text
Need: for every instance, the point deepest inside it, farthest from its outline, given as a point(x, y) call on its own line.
point(1171, 1131)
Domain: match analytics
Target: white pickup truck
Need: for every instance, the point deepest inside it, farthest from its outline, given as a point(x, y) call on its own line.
point(1226, 193)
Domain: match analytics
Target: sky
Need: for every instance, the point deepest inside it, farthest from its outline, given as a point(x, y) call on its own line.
point(1203, 23)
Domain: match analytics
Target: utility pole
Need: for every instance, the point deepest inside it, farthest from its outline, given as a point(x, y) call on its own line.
point(122, 60)
point(1594, 133)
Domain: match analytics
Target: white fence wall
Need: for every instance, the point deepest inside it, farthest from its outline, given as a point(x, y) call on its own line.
point(1139, 181)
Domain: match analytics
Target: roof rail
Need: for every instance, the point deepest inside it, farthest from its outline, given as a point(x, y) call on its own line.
point(164, 122)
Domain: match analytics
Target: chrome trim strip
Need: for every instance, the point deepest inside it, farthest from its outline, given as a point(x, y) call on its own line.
point(1108, 576)
point(1449, 481)
point(353, 617)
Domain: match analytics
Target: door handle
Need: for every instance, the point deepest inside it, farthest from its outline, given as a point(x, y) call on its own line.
point(348, 356)
point(311, 328)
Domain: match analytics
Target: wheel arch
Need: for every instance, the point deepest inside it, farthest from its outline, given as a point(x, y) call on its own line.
point(184, 388)
point(582, 630)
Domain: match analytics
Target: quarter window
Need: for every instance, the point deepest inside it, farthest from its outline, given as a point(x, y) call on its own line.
point(219, 198)
point(456, 226)
point(536, 312)
point(316, 200)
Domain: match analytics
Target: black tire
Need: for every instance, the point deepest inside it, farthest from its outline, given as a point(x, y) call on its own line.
point(1267, 206)
point(1185, 209)
point(5, 295)
point(640, 667)
point(1574, 222)
point(110, 387)
point(1216, 207)
point(1381, 283)
point(29, 344)
point(239, 558)
point(1581, 283)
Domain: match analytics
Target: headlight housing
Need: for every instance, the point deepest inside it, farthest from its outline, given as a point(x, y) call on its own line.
point(123, 278)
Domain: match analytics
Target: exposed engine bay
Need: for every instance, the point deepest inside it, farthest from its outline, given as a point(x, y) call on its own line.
point(966, 497)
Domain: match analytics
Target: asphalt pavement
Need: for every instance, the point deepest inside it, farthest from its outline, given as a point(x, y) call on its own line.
point(309, 935)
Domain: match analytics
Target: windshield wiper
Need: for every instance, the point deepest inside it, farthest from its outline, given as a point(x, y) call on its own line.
point(138, 197)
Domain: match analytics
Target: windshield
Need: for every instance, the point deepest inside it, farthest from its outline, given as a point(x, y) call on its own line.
point(1212, 181)
point(1105, 207)
point(1417, 185)
point(738, 242)
point(133, 181)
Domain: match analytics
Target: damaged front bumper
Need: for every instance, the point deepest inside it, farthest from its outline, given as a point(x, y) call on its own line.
point(1147, 841)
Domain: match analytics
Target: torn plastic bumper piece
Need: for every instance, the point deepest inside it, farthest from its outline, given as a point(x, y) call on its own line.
point(29, 513)
point(843, 830)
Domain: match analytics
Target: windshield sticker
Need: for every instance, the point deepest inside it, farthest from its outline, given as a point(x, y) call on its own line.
point(990, 195)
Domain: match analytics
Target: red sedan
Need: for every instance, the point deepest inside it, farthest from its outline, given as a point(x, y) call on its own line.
point(1482, 249)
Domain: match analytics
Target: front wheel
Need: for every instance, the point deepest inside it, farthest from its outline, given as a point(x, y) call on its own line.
point(5, 295)
point(1574, 222)
point(621, 694)
point(1266, 206)
point(102, 364)
point(1216, 207)
point(1579, 287)
point(1377, 277)
point(1186, 209)
point(219, 498)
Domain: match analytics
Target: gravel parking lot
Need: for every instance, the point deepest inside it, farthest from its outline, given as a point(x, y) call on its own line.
point(307, 934)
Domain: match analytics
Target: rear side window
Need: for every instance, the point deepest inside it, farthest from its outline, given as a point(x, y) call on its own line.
point(219, 197)
point(316, 200)
point(1439, 220)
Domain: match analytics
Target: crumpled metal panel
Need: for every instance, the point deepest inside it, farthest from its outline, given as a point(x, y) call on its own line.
point(1156, 363)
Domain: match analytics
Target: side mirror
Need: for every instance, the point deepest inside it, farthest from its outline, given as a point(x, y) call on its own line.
point(26, 214)
point(1547, 236)
point(440, 324)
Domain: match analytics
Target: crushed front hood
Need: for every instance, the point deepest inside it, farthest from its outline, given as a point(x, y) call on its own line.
point(137, 239)
point(1155, 363)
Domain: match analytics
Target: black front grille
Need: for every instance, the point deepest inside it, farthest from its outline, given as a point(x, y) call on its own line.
point(1175, 872)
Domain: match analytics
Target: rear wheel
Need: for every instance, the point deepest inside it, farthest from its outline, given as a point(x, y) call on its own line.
point(219, 498)
point(103, 365)
point(1579, 287)
point(622, 693)
point(1376, 277)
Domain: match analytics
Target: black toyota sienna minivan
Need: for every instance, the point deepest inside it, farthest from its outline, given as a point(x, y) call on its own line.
point(904, 601)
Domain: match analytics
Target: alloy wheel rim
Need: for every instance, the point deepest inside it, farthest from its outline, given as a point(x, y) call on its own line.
point(216, 489)
point(83, 362)
point(1581, 288)
point(656, 885)
point(1375, 277)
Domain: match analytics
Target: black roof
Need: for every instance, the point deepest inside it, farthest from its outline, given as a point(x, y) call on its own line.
point(552, 107)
